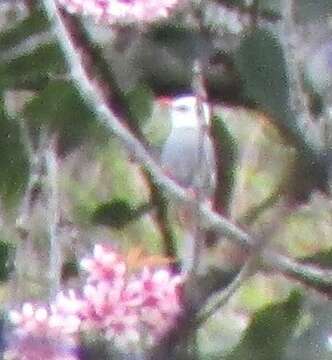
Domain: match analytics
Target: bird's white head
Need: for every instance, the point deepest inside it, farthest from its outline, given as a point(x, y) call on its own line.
point(184, 112)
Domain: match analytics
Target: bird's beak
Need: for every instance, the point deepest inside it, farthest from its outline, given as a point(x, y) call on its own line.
point(164, 101)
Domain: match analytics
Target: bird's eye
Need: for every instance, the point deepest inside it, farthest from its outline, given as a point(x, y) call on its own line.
point(181, 108)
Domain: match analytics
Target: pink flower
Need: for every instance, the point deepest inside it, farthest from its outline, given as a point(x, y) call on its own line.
point(127, 308)
point(41, 334)
point(121, 11)
point(105, 264)
point(38, 348)
point(38, 321)
point(161, 303)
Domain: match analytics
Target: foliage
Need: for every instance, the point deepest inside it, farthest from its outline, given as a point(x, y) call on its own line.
point(269, 331)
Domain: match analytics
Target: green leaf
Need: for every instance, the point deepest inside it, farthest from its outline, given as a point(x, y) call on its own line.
point(226, 156)
point(118, 213)
point(139, 101)
point(44, 62)
point(61, 107)
point(14, 163)
point(263, 71)
point(269, 332)
point(6, 260)
point(262, 67)
point(36, 22)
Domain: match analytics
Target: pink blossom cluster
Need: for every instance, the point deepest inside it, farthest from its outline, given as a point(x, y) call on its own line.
point(120, 11)
point(42, 333)
point(129, 308)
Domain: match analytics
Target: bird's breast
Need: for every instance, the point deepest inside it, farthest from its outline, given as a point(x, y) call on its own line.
point(182, 159)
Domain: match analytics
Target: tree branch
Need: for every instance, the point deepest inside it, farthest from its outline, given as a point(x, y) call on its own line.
point(198, 238)
point(27, 46)
point(53, 204)
point(23, 220)
point(247, 270)
point(308, 275)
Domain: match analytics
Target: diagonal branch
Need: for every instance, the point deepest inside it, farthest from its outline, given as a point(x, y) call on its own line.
point(26, 47)
point(101, 97)
point(247, 270)
point(312, 276)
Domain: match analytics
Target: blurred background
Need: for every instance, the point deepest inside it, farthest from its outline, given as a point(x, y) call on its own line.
point(62, 173)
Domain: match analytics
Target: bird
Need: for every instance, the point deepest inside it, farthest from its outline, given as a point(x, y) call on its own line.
point(188, 155)
point(188, 158)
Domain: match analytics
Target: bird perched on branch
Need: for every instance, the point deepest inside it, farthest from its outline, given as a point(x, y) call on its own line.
point(188, 154)
point(188, 158)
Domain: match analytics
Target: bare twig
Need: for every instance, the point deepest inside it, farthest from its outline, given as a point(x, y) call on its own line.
point(23, 220)
point(250, 267)
point(257, 210)
point(80, 61)
point(313, 276)
point(27, 46)
point(247, 270)
point(201, 96)
point(53, 204)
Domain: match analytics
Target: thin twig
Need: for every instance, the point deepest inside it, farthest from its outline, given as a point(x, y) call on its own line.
point(309, 275)
point(23, 220)
point(254, 212)
point(246, 271)
point(250, 267)
point(27, 46)
point(80, 61)
point(53, 204)
point(200, 173)
point(313, 276)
